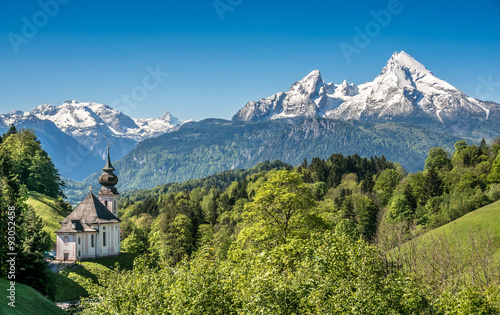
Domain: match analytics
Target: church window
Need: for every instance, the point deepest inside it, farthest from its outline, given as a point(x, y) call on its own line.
point(78, 253)
point(66, 240)
point(78, 240)
point(106, 203)
point(92, 240)
point(103, 238)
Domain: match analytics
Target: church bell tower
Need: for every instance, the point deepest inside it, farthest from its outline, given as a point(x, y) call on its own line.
point(108, 194)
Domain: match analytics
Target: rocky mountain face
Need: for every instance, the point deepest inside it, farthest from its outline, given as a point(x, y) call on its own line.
point(404, 91)
point(213, 145)
point(92, 126)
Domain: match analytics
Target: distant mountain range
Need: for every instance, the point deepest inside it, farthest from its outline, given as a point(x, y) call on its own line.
point(404, 91)
point(213, 145)
point(76, 134)
point(403, 112)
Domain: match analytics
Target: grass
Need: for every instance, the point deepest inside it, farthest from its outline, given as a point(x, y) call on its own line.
point(485, 220)
point(463, 252)
point(46, 207)
point(70, 282)
point(28, 301)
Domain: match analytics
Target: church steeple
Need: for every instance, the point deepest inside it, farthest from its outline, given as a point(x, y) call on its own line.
point(108, 194)
point(108, 167)
point(108, 179)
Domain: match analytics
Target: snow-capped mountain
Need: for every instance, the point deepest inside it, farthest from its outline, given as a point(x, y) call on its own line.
point(404, 91)
point(94, 125)
point(308, 97)
point(85, 118)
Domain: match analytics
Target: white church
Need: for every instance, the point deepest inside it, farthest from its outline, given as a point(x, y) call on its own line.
point(92, 229)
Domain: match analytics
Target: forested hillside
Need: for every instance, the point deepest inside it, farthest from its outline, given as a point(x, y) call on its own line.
point(316, 239)
point(24, 166)
point(204, 148)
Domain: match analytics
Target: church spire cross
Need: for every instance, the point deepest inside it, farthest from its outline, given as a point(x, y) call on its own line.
point(108, 167)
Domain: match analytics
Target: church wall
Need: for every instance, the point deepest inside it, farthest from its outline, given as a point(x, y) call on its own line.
point(110, 202)
point(87, 251)
point(69, 246)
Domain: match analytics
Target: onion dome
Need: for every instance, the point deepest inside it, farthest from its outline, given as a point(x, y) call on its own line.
point(108, 179)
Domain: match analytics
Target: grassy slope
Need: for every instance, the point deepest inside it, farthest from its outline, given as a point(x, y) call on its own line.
point(45, 207)
point(486, 219)
point(70, 282)
point(28, 301)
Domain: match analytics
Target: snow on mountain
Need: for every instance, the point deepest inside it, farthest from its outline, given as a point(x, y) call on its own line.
point(85, 118)
point(94, 125)
point(308, 97)
point(405, 89)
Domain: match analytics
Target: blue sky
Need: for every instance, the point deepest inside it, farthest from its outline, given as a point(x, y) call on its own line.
point(216, 61)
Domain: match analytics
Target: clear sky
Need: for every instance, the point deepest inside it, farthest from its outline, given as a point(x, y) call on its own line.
point(221, 54)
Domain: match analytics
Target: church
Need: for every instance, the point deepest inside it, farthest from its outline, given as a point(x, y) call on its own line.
point(92, 229)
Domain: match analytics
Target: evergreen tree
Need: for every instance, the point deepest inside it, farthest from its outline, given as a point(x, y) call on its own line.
point(33, 166)
point(433, 186)
point(367, 183)
point(12, 131)
point(347, 210)
point(32, 267)
point(30, 240)
point(408, 193)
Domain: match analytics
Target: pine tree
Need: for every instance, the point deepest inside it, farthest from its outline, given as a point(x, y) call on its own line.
point(433, 186)
point(367, 183)
point(12, 131)
point(32, 267)
point(347, 210)
point(410, 197)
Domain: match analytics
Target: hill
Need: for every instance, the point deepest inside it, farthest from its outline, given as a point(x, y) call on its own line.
point(70, 282)
point(484, 221)
point(464, 252)
point(28, 301)
point(204, 148)
point(48, 209)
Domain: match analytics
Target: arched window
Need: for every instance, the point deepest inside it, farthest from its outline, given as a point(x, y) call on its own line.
point(66, 240)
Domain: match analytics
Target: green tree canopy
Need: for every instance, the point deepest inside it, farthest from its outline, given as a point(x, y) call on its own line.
point(438, 158)
point(279, 207)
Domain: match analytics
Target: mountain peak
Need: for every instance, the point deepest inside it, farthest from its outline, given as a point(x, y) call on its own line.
point(314, 75)
point(310, 84)
point(403, 60)
point(167, 116)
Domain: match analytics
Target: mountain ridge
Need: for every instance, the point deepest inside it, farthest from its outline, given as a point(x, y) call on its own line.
point(91, 126)
point(404, 91)
point(204, 148)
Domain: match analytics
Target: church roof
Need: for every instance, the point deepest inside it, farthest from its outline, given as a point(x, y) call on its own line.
point(90, 211)
point(75, 226)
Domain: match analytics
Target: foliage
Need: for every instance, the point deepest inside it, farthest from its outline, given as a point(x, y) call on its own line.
point(31, 163)
point(23, 164)
point(278, 210)
point(437, 159)
point(263, 243)
point(334, 275)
